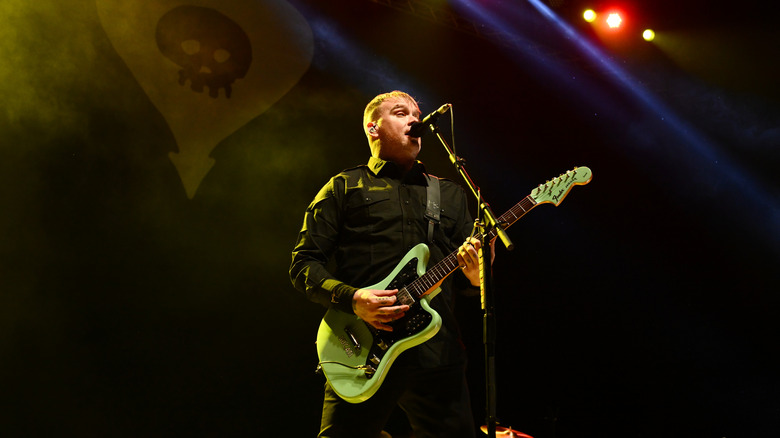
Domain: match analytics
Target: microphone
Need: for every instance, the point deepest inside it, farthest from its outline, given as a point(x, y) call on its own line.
point(418, 128)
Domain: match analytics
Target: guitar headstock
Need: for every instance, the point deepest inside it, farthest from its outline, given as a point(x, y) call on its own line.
point(556, 189)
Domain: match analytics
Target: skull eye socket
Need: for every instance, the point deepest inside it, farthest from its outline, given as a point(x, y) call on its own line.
point(211, 49)
point(221, 55)
point(190, 47)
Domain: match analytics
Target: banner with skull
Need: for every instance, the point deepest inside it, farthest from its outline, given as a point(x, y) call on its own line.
point(209, 66)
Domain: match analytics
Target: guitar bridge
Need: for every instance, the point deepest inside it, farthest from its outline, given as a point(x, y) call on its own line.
point(353, 338)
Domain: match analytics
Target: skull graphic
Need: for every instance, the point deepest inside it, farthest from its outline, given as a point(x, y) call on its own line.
point(211, 49)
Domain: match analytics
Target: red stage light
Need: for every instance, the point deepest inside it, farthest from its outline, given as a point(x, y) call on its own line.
point(614, 20)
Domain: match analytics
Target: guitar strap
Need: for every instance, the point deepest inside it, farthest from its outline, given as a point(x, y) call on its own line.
point(433, 205)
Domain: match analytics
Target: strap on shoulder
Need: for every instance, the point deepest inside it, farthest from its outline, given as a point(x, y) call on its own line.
point(433, 205)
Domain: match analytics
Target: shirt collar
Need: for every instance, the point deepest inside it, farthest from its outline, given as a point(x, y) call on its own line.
point(380, 167)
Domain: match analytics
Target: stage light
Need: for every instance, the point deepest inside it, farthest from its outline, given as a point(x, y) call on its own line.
point(614, 20)
point(648, 35)
point(589, 15)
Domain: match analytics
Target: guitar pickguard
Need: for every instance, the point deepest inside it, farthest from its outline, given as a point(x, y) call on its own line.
point(406, 275)
point(414, 321)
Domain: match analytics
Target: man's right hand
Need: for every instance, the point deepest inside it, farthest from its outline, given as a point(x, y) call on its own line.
point(377, 307)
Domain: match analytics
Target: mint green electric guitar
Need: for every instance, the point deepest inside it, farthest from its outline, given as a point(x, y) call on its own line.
point(356, 357)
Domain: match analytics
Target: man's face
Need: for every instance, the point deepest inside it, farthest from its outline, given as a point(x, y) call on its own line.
point(395, 117)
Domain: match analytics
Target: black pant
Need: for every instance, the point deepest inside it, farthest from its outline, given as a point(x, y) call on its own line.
point(436, 401)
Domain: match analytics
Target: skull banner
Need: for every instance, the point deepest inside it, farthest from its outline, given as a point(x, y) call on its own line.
point(209, 66)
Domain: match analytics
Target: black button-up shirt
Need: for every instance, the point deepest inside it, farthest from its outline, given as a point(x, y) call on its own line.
point(360, 225)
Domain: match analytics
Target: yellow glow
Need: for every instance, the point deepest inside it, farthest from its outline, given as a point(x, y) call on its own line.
point(614, 20)
point(589, 15)
point(648, 35)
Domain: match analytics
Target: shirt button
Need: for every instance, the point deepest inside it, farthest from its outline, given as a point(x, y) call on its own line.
point(406, 202)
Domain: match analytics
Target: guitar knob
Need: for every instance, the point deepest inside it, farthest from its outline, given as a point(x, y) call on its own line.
point(382, 344)
point(375, 360)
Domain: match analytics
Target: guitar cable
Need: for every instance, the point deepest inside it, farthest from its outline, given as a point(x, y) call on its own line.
point(367, 368)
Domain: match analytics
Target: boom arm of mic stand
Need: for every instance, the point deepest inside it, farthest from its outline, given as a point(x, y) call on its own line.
point(487, 213)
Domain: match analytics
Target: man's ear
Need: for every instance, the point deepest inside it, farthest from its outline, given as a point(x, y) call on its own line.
point(372, 127)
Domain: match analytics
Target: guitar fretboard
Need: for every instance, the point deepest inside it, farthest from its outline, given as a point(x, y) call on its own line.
point(425, 284)
point(553, 191)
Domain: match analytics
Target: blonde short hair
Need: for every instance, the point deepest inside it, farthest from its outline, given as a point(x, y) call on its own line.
point(370, 113)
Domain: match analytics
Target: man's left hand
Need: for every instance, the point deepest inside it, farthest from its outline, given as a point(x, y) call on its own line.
point(468, 259)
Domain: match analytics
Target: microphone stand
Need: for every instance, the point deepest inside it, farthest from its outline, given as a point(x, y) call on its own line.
point(486, 221)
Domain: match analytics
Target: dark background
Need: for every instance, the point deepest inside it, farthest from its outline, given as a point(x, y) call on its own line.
point(644, 305)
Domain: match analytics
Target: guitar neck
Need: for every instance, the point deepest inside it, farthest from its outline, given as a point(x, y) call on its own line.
point(424, 284)
point(553, 191)
point(507, 219)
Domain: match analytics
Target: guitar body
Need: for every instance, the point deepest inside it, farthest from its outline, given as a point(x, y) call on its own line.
point(344, 339)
